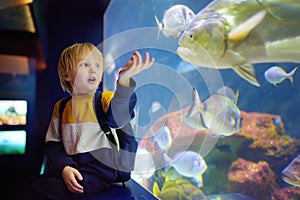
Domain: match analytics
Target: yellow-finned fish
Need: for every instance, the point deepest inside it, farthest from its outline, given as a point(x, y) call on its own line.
point(180, 189)
point(175, 20)
point(239, 33)
point(291, 174)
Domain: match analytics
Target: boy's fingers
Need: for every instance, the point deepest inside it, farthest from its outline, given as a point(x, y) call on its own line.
point(78, 175)
point(77, 187)
point(150, 62)
point(146, 62)
point(135, 61)
point(139, 59)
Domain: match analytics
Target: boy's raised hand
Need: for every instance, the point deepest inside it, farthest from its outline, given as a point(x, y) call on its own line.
point(134, 66)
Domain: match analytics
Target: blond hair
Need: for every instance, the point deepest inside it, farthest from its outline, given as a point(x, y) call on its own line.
point(70, 57)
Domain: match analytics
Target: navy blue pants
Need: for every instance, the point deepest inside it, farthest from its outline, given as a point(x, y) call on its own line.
point(53, 187)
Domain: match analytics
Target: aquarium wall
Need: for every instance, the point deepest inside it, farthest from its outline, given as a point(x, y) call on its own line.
point(207, 130)
point(18, 140)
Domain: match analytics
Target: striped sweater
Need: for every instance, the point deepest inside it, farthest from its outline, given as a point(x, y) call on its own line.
point(80, 131)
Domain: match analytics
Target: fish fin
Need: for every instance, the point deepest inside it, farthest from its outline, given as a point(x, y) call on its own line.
point(196, 104)
point(242, 31)
point(237, 96)
point(176, 35)
point(160, 26)
point(291, 74)
point(167, 179)
point(247, 72)
point(199, 181)
point(155, 189)
point(281, 11)
point(195, 122)
point(202, 122)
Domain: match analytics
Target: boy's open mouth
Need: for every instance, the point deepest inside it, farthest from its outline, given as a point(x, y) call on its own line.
point(92, 79)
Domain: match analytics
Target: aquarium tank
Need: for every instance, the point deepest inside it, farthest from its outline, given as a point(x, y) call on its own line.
point(217, 114)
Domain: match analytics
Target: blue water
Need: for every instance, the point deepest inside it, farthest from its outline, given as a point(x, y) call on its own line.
point(130, 25)
point(125, 16)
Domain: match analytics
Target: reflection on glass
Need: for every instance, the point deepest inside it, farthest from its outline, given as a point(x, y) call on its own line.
point(225, 147)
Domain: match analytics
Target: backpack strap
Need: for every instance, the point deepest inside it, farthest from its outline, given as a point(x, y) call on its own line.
point(100, 114)
point(61, 108)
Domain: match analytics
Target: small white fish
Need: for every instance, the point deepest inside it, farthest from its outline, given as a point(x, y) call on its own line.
point(276, 75)
point(187, 163)
point(163, 138)
point(175, 20)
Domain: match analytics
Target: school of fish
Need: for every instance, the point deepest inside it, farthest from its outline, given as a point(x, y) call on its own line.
point(227, 34)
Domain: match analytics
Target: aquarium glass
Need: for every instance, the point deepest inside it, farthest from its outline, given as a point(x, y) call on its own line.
point(207, 132)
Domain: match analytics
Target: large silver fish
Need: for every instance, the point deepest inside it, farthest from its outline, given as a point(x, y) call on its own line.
point(218, 113)
point(291, 174)
point(238, 33)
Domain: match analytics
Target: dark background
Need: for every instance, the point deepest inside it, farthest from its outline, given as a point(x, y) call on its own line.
point(58, 24)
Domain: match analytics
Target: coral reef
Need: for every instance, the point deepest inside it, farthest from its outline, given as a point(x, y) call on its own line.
point(266, 140)
point(252, 159)
point(256, 180)
point(288, 193)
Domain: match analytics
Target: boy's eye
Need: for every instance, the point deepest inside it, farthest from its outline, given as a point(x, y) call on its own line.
point(84, 64)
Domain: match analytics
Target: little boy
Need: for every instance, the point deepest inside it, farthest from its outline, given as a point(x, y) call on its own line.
point(70, 141)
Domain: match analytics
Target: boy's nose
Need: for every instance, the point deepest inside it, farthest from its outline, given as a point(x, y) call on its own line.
point(92, 71)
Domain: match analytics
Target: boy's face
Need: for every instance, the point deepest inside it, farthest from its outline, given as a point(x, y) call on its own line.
point(87, 75)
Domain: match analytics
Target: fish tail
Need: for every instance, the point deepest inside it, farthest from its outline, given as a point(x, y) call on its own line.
point(160, 26)
point(291, 75)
